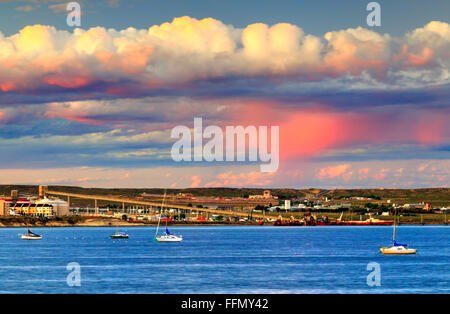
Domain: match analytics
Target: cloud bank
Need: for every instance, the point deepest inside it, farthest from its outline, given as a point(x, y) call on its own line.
point(354, 106)
point(42, 60)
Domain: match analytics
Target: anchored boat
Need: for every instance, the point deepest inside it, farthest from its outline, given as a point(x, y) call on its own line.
point(119, 235)
point(396, 248)
point(167, 236)
point(30, 236)
point(368, 222)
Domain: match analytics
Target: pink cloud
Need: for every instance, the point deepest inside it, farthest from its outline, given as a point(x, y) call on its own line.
point(241, 179)
point(327, 175)
point(186, 50)
point(308, 132)
point(195, 181)
point(381, 175)
point(333, 171)
point(363, 173)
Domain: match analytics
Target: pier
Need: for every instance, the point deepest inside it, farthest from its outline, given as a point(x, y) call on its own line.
point(124, 201)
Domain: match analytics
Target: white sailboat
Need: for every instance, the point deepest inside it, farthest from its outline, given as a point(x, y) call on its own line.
point(30, 236)
point(167, 236)
point(119, 235)
point(397, 248)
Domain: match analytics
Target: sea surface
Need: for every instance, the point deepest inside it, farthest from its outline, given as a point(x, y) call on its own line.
point(225, 259)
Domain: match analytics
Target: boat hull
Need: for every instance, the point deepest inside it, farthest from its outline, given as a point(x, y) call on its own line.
point(119, 237)
point(398, 251)
point(169, 239)
point(365, 223)
point(27, 237)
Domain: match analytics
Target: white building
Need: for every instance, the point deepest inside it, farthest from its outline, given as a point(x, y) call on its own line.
point(286, 207)
point(287, 204)
point(60, 207)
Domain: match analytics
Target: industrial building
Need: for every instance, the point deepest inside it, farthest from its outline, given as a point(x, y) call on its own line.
point(40, 207)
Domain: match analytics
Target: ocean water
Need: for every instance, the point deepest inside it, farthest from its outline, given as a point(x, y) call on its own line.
point(256, 259)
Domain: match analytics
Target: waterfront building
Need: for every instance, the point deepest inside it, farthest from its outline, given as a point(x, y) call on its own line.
point(60, 207)
point(29, 209)
point(5, 205)
point(25, 206)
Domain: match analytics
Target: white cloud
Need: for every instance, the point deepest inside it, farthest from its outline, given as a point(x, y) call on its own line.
point(187, 50)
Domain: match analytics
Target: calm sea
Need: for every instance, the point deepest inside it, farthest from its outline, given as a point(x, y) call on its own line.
point(257, 259)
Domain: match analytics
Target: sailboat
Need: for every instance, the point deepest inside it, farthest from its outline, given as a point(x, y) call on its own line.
point(119, 235)
point(30, 236)
point(167, 236)
point(397, 248)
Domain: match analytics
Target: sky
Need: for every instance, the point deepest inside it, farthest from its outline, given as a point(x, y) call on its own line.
point(357, 106)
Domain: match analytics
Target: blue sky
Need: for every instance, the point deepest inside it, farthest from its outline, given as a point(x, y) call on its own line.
point(316, 17)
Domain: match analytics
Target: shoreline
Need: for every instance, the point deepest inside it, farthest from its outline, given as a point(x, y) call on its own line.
point(85, 221)
point(209, 225)
point(111, 225)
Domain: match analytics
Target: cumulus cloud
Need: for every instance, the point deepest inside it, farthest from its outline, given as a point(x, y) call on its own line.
point(237, 176)
point(333, 171)
point(105, 97)
point(195, 182)
point(242, 179)
point(187, 51)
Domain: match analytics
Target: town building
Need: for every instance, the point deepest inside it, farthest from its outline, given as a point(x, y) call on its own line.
point(266, 195)
point(60, 207)
point(36, 210)
point(42, 207)
point(5, 205)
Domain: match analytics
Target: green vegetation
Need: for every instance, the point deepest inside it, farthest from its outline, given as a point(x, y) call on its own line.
point(39, 221)
point(382, 207)
point(435, 196)
point(223, 192)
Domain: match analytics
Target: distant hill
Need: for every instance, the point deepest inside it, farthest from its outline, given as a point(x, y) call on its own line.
point(131, 192)
point(436, 196)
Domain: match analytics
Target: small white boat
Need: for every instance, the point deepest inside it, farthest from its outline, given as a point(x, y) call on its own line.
point(30, 236)
point(396, 248)
point(167, 237)
point(119, 235)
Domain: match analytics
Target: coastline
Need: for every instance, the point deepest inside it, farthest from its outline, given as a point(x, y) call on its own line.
point(113, 222)
point(105, 222)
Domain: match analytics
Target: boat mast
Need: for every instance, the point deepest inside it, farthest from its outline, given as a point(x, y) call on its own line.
point(159, 219)
point(395, 216)
point(157, 228)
